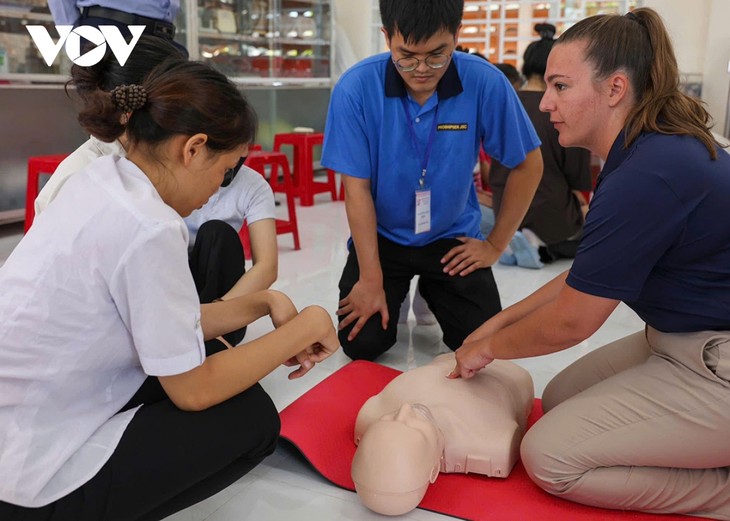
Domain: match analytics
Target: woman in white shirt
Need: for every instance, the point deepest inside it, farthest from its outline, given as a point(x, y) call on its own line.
point(98, 298)
point(216, 255)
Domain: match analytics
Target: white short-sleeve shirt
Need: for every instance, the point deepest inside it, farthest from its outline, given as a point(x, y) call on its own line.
point(248, 197)
point(96, 296)
point(76, 161)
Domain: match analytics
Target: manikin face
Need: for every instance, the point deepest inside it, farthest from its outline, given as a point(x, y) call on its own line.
point(397, 457)
point(422, 81)
point(572, 98)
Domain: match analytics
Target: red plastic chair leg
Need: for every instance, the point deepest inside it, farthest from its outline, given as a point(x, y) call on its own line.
point(37, 165)
point(31, 192)
point(245, 240)
point(275, 160)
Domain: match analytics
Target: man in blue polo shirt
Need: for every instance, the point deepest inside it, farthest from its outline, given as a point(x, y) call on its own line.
point(405, 128)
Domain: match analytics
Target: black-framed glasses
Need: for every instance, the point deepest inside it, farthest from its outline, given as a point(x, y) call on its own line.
point(411, 63)
point(231, 172)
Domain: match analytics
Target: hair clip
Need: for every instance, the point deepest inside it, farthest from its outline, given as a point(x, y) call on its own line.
point(129, 98)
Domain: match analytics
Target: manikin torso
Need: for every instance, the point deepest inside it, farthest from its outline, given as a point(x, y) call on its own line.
point(422, 423)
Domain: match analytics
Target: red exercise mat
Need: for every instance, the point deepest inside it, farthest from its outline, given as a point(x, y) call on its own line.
point(320, 424)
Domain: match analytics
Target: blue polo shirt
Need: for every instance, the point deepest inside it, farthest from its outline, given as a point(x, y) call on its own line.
point(367, 136)
point(657, 234)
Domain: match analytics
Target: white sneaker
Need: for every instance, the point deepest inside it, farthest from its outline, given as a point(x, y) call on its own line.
point(532, 238)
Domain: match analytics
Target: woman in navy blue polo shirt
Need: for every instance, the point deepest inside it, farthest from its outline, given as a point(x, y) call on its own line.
point(641, 423)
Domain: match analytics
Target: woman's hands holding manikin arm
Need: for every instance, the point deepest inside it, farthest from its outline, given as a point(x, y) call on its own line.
point(325, 342)
point(313, 354)
point(306, 338)
point(282, 311)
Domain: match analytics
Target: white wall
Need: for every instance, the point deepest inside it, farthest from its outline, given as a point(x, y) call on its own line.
point(702, 45)
point(354, 18)
point(717, 79)
point(687, 25)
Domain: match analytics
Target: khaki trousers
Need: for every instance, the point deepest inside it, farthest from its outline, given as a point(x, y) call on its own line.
point(640, 424)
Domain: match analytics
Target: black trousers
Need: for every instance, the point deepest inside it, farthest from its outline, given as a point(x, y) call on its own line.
point(168, 459)
point(217, 262)
point(151, 29)
point(460, 304)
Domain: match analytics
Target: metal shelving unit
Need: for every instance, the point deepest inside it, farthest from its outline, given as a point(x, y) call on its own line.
point(264, 42)
point(501, 30)
point(22, 61)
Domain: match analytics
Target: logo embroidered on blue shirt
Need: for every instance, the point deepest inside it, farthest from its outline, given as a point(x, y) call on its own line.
point(453, 126)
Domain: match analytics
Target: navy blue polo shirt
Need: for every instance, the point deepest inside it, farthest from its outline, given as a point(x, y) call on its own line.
point(367, 136)
point(657, 234)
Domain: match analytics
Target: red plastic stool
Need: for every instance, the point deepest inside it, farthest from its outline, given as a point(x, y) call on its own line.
point(304, 182)
point(258, 160)
point(36, 166)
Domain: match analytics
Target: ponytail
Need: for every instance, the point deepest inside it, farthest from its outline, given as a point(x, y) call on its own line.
point(639, 45)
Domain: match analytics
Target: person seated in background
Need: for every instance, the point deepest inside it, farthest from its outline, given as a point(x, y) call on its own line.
point(553, 225)
point(517, 247)
point(216, 255)
point(513, 75)
point(423, 423)
point(112, 406)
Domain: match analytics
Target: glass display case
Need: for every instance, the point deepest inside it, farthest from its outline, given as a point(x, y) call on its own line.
point(19, 57)
point(268, 42)
point(278, 51)
point(501, 30)
point(260, 42)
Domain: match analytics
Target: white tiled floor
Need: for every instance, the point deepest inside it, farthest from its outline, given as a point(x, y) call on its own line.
point(284, 487)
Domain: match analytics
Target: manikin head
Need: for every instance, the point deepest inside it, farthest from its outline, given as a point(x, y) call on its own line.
point(396, 459)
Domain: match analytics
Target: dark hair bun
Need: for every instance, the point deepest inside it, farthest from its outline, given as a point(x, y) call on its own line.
point(546, 31)
point(129, 98)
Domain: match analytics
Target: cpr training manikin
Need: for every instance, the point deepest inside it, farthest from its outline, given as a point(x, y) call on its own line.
point(423, 423)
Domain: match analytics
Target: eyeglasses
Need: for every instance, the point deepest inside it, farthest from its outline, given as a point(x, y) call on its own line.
point(435, 61)
point(231, 173)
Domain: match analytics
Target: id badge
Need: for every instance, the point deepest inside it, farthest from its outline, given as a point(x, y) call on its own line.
point(423, 211)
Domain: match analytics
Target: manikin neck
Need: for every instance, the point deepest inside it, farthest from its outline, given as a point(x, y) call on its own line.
point(426, 413)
